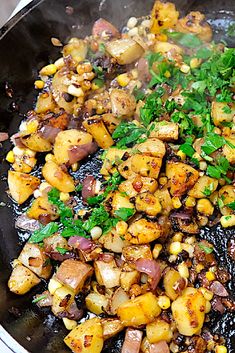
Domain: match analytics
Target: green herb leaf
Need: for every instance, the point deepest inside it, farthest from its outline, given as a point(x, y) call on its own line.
point(97, 218)
point(124, 213)
point(44, 232)
point(227, 109)
point(187, 147)
point(208, 189)
point(231, 30)
point(38, 299)
point(231, 205)
point(212, 143)
point(153, 107)
point(128, 133)
point(62, 251)
point(186, 39)
point(78, 188)
point(139, 95)
point(204, 53)
point(207, 249)
point(213, 172)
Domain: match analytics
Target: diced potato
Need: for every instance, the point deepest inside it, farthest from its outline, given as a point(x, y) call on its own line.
point(45, 103)
point(163, 16)
point(123, 103)
point(191, 228)
point(219, 116)
point(143, 231)
point(22, 280)
point(126, 51)
point(66, 140)
point(107, 273)
point(226, 195)
point(112, 241)
point(128, 278)
point(74, 274)
point(41, 206)
point(33, 257)
point(158, 330)
point(59, 86)
point(21, 185)
point(86, 337)
point(148, 203)
point(55, 241)
point(134, 252)
point(96, 303)
point(111, 122)
point(165, 131)
point(145, 165)
point(121, 201)
point(147, 347)
point(182, 177)
point(170, 280)
point(62, 298)
point(203, 185)
point(111, 327)
point(95, 126)
point(165, 48)
point(164, 198)
point(56, 177)
point(138, 184)
point(77, 48)
point(229, 152)
point(140, 310)
point(119, 297)
point(125, 169)
point(195, 23)
point(153, 146)
point(189, 311)
point(112, 155)
point(36, 142)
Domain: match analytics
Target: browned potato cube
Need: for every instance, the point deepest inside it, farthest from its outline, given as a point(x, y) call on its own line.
point(21, 185)
point(57, 177)
point(22, 280)
point(125, 50)
point(219, 116)
point(95, 126)
point(143, 232)
point(145, 165)
point(128, 278)
point(153, 147)
point(134, 252)
point(41, 206)
point(123, 103)
point(121, 201)
point(107, 273)
point(163, 16)
point(34, 257)
point(125, 169)
point(158, 330)
point(138, 184)
point(111, 327)
point(164, 198)
point(204, 183)
point(195, 23)
point(36, 142)
point(148, 203)
point(74, 274)
point(165, 131)
point(170, 280)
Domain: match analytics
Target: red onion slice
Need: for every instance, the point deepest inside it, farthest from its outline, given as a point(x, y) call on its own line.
point(26, 223)
point(101, 26)
point(49, 133)
point(80, 243)
point(151, 268)
point(88, 187)
point(217, 288)
point(132, 341)
point(159, 347)
point(77, 153)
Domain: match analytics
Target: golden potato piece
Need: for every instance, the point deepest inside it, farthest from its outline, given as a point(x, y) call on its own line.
point(62, 298)
point(165, 131)
point(170, 280)
point(139, 311)
point(96, 303)
point(107, 273)
point(143, 232)
point(148, 203)
point(41, 206)
point(219, 116)
point(189, 311)
point(77, 48)
point(164, 198)
point(112, 241)
point(56, 177)
point(33, 257)
point(158, 330)
point(36, 142)
point(121, 201)
point(67, 139)
point(126, 50)
point(59, 86)
point(125, 169)
point(86, 337)
point(182, 177)
point(146, 166)
point(22, 280)
point(112, 156)
point(203, 186)
point(95, 126)
point(229, 152)
point(45, 103)
point(21, 185)
point(134, 252)
point(153, 147)
point(195, 23)
point(123, 103)
point(133, 186)
point(111, 327)
point(163, 16)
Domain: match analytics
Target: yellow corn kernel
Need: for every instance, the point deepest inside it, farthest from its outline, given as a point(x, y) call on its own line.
point(190, 201)
point(86, 85)
point(10, 157)
point(163, 180)
point(161, 37)
point(195, 62)
point(69, 324)
point(183, 270)
point(190, 240)
point(121, 228)
point(177, 236)
point(123, 80)
point(227, 221)
point(207, 294)
point(199, 268)
point(175, 248)
point(48, 70)
point(156, 250)
point(182, 155)
point(32, 126)
point(74, 167)
point(39, 84)
point(50, 157)
point(64, 196)
point(204, 206)
point(164, 302)
point(176, 202)
point(210, 276)
point(167, 74)
point(185, 68)
point(99, 109)
point(220, 349)
point(84, 68)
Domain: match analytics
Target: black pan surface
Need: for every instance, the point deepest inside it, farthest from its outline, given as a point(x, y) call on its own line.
point(25, 47)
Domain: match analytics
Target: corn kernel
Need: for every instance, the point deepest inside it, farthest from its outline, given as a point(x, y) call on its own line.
point(164, 302)
point(175, 248)
point(185, 68)
point(156, 250)
point(50, 157)
point(39, 84)
point(48, 70)
point(202, 165)
point(199, 268)
point(10, 157)
point(133, 32)
point(163, 180)
point(220, 349)
point(207, 294)
point(75, 91)
point(64, 196)
point(123, 80)
point(182, 155)
point(132, 22)
point(190, 201)
point(74, 167)
point(29, 152)
point(183, 270)
point(121, 228)
point(176, 202)
point(227, 221)
point(88, 76)
point(53, 285)
point(96, 232)
point(69, 324)
point(32, 126)
point(195, 62)
point(204, 206)
point(84, 68)
point(210, 276)
point(100, 109)
point(167, 74)
point(177, 236)
point(190, 240)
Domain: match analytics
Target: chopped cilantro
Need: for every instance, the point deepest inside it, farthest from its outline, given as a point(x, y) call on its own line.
point(185, 39)
point(44, 232)
point(208, 189)
point(38, 299)
point(204, 53)
point(212, 143)
point(62, 251)
point(231, 205)
point(231, 30)
point(128, 133)
point(187, 147)
point(124, 213)
point(98, 82)
point(97, 218)
point(227, 109)
point(207, 249)
point(99, 72)
point(78, 188)
point(139, 95)
point(153, 107)
point(220, 203)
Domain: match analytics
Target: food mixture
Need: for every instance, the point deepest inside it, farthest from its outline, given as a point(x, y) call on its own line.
point(155, 102)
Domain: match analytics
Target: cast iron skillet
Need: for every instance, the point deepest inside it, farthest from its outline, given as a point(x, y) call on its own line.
point(25, 47)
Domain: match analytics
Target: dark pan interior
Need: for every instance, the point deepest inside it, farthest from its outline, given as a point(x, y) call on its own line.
point(25, 46)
